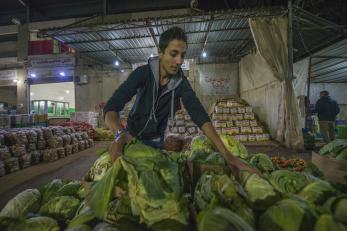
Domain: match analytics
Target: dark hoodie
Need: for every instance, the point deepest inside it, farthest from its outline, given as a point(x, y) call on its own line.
point(327, 109)
point(150, 112)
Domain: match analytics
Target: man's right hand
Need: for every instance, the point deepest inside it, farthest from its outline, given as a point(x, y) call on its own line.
point(116, 148)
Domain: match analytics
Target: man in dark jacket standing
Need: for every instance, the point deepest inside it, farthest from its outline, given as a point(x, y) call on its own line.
point(327, 110)
point(158, 87)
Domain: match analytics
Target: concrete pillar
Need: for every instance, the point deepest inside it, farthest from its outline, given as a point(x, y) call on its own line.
point(22, 55)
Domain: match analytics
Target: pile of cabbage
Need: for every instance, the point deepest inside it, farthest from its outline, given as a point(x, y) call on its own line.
point(149, 189)
point(335, 149)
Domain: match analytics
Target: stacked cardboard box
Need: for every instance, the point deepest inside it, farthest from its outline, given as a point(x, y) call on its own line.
point(183, 125)
point(236, 118)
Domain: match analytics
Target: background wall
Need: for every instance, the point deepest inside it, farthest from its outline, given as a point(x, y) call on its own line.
point(8, 94)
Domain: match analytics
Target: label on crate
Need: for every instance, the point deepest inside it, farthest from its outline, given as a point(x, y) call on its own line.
point(249, 109)
point(238, 123)
point(218, 109)
point(226, 110)
point(246, 130)
point(171, 122)
point(241, 110)
point(230, 124)
point(174, 130)
point(217, 117)
point(179, 117)
point(237, 137)
point(259, 137)
point(179, 123)
point(191, 130)
point(243, 138)
point(252, 137)
point(245, 123)
point(249, 116)
point(222, 104)
point(233, 110)
point(232, 103)
point(253, 123)
point(190, 124)
point(187, 117)
point(257, 130)
point(181, 129)
point(220, 124)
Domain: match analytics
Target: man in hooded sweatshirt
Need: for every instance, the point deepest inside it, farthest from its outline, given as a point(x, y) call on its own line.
point(158, 87)
point(327, 110)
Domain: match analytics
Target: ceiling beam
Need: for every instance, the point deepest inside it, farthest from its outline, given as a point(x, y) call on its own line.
point(206, 34)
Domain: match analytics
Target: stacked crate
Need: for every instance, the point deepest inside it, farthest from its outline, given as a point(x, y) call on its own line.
point(87, 117)
point(236, 118)
point(183, 125)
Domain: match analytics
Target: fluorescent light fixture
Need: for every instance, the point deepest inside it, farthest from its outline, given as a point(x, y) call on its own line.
point(67, 91)
point(116, 63)
point(33, 75)
point(122, 70)
point(204, 54)
point(32, 93)
point(62, 73)
point(15, 80)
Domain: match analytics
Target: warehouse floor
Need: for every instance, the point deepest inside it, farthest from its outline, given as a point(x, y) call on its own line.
point(72, 167)
point(76, 166)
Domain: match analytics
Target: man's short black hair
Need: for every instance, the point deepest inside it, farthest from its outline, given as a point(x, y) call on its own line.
point(325, 93)
point(171, 34)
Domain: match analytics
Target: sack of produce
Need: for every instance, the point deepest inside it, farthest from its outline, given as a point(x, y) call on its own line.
point(18, 150)
point(36, 157)
point(81, 145)
point(61, 152)
point(68, 150)
point(2, 169)
point(10, 138)
point(57, 131)
point(75, 148)
point(66, 140)
point(24, 161)
point(11, 164)
point(91, 142)
point(41, 144)
point(4, 153)
point(22, 137)
point(60, 142)
point(47, 133)
point(49, 155)
point(74, 139)
point(84, 135)
point(2, 139)
point(39, 133)
point(32, 147)
point(52, 142)
point(31, 136)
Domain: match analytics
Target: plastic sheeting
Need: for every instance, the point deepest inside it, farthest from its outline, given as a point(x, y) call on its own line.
point(271, 38)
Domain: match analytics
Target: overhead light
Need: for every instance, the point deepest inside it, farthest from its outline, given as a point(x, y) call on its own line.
point(62, 73)
point(32, 93)
point(116, 63)
point(67, 92)
point(204, 54)
point(33, 75)
point(15, 21)
point(122, 70)
point(15, 80)
point(151, 55)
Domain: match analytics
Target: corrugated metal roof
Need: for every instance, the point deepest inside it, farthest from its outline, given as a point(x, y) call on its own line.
point(225, 35)
point(330, 64)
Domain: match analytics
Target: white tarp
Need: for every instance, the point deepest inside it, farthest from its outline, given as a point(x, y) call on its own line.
point(271, 38)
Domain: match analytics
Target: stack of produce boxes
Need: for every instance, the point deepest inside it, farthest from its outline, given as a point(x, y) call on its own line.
point(21, 148)
point(236, 118)
point(183, 125)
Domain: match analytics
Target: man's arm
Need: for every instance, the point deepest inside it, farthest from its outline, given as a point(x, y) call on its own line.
point(115, 104)
point(235, 164)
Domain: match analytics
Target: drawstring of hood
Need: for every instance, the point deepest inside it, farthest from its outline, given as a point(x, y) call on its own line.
point(173, 83)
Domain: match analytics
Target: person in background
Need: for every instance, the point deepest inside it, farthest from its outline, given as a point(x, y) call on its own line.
point(158, 87)
point(327, 110)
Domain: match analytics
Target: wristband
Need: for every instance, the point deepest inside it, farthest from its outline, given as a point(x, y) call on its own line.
point(119, 133)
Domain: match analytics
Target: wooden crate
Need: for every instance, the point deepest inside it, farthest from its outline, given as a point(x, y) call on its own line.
point(334, 170)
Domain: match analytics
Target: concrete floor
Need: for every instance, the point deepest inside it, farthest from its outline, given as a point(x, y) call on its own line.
point(71, 167)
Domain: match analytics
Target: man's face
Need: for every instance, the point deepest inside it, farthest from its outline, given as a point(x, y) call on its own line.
point(173, 56)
